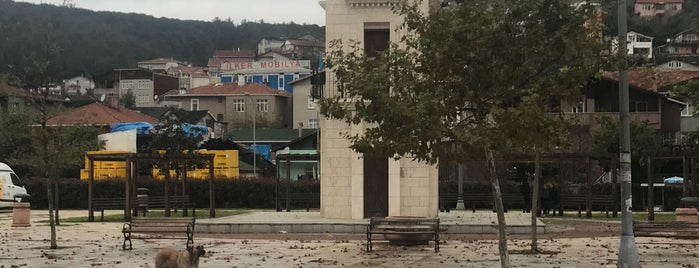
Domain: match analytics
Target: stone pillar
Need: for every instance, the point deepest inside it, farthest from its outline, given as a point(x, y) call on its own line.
point(686, 215)
point(20, 215)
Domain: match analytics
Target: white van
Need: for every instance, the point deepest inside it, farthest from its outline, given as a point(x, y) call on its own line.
point(10, 185)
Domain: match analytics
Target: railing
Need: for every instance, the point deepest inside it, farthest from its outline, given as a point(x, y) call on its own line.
point(592, 119)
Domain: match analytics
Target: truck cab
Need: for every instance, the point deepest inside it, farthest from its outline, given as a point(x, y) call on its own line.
point(10, 186)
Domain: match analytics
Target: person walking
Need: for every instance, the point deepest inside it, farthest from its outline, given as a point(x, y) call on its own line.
point(526, 191)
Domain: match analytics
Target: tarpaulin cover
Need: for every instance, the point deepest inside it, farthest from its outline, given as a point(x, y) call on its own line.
point(674, 179)
point(140, 127)
point(194, 130)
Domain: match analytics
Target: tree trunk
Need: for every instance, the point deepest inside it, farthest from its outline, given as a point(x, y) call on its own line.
point(497, 198)
point(52, 222)
point(56, 203)
point(535, 200)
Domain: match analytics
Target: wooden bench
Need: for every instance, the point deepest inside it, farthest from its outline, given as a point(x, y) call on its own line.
point(101, 204)
point(176, 202)
point(579, 202)
point(682, 230)
point(402, 226)
point(480, 200)
point(161, 226)
point(307, 199)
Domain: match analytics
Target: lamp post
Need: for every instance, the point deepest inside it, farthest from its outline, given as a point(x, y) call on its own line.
point(254, 145)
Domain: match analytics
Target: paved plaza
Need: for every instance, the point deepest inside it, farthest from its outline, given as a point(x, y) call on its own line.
point(99, 245)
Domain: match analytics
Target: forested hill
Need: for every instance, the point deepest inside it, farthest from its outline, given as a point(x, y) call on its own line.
point(95, 42)
point(659, 27)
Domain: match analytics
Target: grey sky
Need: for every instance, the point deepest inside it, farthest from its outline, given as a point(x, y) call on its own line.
point(272, 11)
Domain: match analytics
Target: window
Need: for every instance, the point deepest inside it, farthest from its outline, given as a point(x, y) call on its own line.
point(239, 105)
point(262, 105)
point(281, 82)
point(14, 107)
point(15, 180)
point(220, 99)
point(688, 110)
point(313, 123)
point(675, 64)
point(691, 37)
point(194, 105)
point(580, 108)
point(638, 106)
point(376, 40)
point(311, 103)
point(219, 117)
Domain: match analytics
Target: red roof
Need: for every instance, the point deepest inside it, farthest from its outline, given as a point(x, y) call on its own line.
point(233, 89)
point(652, 79)
point(240, 53)
point(98, 114)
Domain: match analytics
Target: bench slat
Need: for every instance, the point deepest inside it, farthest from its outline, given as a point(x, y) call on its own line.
point(159, 225)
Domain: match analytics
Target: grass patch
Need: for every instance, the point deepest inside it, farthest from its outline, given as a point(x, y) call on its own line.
point(201, 214)
point(665, 216)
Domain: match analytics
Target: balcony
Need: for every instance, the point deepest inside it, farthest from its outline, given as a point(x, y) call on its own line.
point(593, 119)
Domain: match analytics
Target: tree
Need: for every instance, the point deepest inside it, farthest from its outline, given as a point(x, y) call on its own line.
point(49, 149)
point(128, 99)
point(468, 81)
point(172, 137)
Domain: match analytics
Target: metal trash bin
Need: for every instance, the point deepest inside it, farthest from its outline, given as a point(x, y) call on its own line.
point(142, 199)
point(21, 211)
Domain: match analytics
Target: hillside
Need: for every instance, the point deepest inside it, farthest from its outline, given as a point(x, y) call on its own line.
point(94, 42)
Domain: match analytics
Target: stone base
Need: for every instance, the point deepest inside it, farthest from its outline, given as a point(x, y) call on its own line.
point(20, 215)
point(686, 215)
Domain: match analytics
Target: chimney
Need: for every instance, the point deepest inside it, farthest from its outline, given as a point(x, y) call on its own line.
point(113, 102)
point(300, 129)
point(241, 80)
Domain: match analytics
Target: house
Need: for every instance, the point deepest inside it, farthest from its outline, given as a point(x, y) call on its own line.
point(639, 45)
point(276, 74)
point(161, 65)
point(308, 48)
point(101, 115)
point(231, 102)
point(145, 85)
point(270, 44)
point(268, 141)
point(12, 99)
point(229, 60)
point(648, 100)
point(306, 109)
point(683, 44)
point(353, 185)
point(650, 8)
point(301, 156)
point(677, 66)
point(78, 85)
point(190, 77)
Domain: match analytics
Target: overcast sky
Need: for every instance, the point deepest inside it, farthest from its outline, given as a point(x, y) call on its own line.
point(272, 11)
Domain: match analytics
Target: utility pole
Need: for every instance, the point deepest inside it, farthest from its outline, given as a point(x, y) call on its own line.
point(628, 253)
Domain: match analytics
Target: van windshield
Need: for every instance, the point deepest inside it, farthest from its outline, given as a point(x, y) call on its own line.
point(15, 180)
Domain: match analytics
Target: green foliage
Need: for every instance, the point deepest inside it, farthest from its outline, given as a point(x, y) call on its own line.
point(96, 42)
point(170, 136)
point(468, 77)
point(644, 139)
point(129, 99)
point(229, 193)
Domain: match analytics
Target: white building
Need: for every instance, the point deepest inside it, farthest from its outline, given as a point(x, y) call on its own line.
point(637, 45)
point(354, 185)
point(78, 85)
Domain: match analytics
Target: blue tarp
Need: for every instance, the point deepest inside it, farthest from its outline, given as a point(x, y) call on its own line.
point(674, 179)
point(140, 127)
point(264, 150)
point(194, 130)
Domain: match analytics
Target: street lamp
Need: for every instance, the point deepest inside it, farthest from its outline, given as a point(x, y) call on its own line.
point(254, 145)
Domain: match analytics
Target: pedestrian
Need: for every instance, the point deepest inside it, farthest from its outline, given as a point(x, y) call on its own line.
point(544, 199)
point(526, 191)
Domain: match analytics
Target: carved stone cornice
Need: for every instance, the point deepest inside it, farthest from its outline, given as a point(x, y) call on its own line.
point(372, 3)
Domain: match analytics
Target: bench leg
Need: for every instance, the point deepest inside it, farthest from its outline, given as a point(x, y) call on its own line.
point(190, 237)
point(368, 240)
point(436, 241)
point(184, 211)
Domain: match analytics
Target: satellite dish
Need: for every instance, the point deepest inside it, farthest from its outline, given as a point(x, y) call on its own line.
point(102, 98)
point(155, 97)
